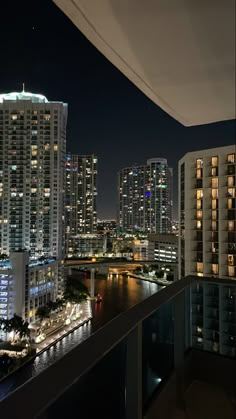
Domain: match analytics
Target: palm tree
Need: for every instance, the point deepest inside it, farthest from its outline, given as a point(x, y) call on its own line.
point(74, 291)
point(16, 325)
point(24, 331)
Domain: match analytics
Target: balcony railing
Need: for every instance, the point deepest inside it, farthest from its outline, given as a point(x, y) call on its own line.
point(126, 363)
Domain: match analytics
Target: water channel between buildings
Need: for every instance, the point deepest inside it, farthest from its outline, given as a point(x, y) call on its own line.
point(119, 294)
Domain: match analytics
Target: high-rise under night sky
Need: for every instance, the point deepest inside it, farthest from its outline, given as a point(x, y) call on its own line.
point(108, 115)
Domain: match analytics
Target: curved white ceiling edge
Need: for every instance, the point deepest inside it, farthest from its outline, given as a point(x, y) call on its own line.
point(202, 93)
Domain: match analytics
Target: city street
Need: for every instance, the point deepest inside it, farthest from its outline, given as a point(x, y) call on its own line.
point(57, 331)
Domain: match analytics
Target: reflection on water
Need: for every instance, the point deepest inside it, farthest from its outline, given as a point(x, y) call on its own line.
point(119, 293)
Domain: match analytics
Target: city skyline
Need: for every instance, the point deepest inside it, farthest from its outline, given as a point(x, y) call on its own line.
point(108, 116)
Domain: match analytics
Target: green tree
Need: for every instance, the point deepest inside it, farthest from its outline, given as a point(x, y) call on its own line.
point(24, 331)
point(43, 312)
point(145, 269)
point(159, 274)
point(16, 325)
point(74, 291)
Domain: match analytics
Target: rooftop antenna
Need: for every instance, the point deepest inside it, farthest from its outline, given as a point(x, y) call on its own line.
point(23, 84)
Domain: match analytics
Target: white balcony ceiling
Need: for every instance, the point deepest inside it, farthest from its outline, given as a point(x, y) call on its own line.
point(180, 53)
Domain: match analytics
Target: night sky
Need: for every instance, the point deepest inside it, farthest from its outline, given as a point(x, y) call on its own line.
point(108, 115)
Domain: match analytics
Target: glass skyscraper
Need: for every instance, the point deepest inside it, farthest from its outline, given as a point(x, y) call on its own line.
point(145, 198)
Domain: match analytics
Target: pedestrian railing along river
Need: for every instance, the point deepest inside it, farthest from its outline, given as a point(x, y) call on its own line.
point(124, 363)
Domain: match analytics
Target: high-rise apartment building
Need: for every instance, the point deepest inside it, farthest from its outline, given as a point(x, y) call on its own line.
point(207, 244)
point(81, 196)
point(207, 213)
point(32, 183)
point(145, 198)
point(132, 203)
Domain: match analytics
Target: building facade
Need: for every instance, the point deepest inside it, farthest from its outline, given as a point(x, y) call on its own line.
point(207, 239)
point(163, 248)
point(81, 196)
point(145, 198)
point(87, 245)
point(32, 180)
point(207, 245)
point(27, 284)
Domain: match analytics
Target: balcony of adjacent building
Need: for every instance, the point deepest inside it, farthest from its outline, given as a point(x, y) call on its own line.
point(172, 356)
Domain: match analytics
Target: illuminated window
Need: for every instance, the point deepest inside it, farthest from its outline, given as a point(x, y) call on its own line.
point(199, 267)
point(199, 163)
point(230, 203)
point(215, 268)
point(199, 214)
point(214, 204)
point(214, 225)
point(214, 247)
point(199, 173)
point(199, 193)
point(199, 224)
point(214, 171)
point(230, 260)
point(214, 182)
point(214, 193)
point(55, 147)
point(231, 158)
point(230, 181)
point(231, 192)
point(214, 161)
point(231, 270)
point(199, 204)
point(214, 215)
point(230, 225)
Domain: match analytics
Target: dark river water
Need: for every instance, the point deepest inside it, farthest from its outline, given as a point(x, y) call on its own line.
point(119, 294)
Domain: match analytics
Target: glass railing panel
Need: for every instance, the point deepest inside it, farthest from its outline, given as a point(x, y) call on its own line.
point(157, 350)
point(98, 393)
